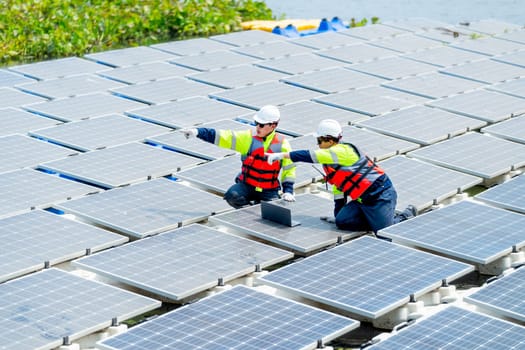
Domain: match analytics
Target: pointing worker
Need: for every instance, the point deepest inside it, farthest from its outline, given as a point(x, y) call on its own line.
point(258, 180)
point(353, 176)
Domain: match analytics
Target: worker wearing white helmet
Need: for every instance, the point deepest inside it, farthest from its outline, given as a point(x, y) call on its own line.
point(258, 180)
point(364, 197)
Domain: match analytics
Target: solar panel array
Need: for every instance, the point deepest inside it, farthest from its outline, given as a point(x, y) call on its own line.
point(96, 139)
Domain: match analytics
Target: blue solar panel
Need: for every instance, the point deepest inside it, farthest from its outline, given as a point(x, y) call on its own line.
point(509, 195)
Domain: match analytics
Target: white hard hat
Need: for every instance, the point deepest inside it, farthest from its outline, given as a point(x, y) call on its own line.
point(267, 114)
point(329, 127)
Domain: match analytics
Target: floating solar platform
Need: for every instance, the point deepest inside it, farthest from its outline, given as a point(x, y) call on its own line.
point(493, 27)
point(142, 73)
point(190, 112)
point(272, 50)
point(456, 328)
point(84, 107)
point(298, 64)
point(415, 24)
point(129, 56)
point(10, 79)
point(98, 133)
point(508, 195)
point(433, 85)
point(121, 165)
point(41, 309)
point(407, 43)
point(194, 46)
point(58, 68)
point(10, 97)
point(444, 56)
point(247, 37)
point(196, 147)
point(422, 184)
point(333, 80)
point(256, 96)
point(213, 60)
point(27, 189)
point(19, 151)
point(185, 262)
point(312, 233)
point(511, 129)
point(503, 296)
point(16, 121)
point(301, 118)
point(511, 87)
point(238, 76)
point(447, 34)
point(392, 68)
point(475, 154)
point(466, 230)
point(367, 277)
point(325, 40)
point(486, 71)
point(422, 124)
point(482, 104)
point(516, 58)
point(488, 46)
point(33, 240)
point(238, 318)
point(165, 90)
point(70, 86)
point(516, 36)
point(377, 31)
point(356, 53)
point(147, 208)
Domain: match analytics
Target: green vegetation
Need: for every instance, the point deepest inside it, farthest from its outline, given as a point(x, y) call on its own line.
point(34, 30)
point(362, 22)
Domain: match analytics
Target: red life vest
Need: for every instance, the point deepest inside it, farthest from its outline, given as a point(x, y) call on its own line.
point(355, 179)
point(255, 168)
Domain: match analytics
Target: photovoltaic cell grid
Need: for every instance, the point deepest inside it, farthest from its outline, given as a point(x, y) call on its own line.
point(58, 68)
point(194, 46)
point(366, 276)
point(356, 53)
point(147, 208)
point(512, 87)
point(186, 261)
point(374, 32)
point(486, 71)
point(504, 296)
point(40, 309)
point(469, 231)
point(325, 40)
point(298, 64)
point(489, 46)
point(32, 239)
point(141, 73)
point(26, 189)
point(311, 234)
point(272, 50)
point(515, 36)
point(8, 78)
point(515, 58)
point(456, 328)
point(10, 97)
point(422, 124)
point(238, 318)
point(16, 121)
point(493, 27)
point(475, 154)
point(213, 60)
point(511, 129)
point(121, 165)
point(422, 184)
point(407, 43)
point(129, 56)
point(444, 56)
point(392, 67)
point(97, 133)
point(247, 37)
point(508, 195)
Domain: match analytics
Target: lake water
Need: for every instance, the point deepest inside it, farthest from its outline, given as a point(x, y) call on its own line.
point(448, 11)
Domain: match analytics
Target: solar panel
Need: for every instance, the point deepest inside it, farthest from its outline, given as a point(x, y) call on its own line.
point(213, 60)
point(444, 56)
point(121, 165)
point(422, 124)
point(377, 31)
point(312, 234)
point(40, 309)
point(141, 73)
point(10, 97)
point(298, 64)
point(516, 36)
point(147, 208)
point(187, 261)
point(98, 133)
point(407, 43)
point(482, 104)
point(193, 46)
point(129, 56)
point(256, 96)
point(512, 87)
point(493, 26)
point(433, 85)
point(238, 318)
point(508, 195)
point(366, 276)
point(33, 239)
point(189, 112)
point(466, 230)
point(84, 107)
point(476, 154)
point(455, 328)
point(356, 53)
point(333, 80)
point(503, 296)
point(516, 58)
point(392, 67)
point(58, 68)
point(247, 37)
point(511, 129)
point(26, 189)
point(272, 50)
point(69, 86)
point(415, 24)
point(233, 77)
point(16, 121)
point(325, 40)
point(8, 78)
point(18, 151)
point(489, 46)
point(422, 184)
point(485, 71)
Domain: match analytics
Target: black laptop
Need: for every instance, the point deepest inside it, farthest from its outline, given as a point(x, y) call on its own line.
point(278, 213)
